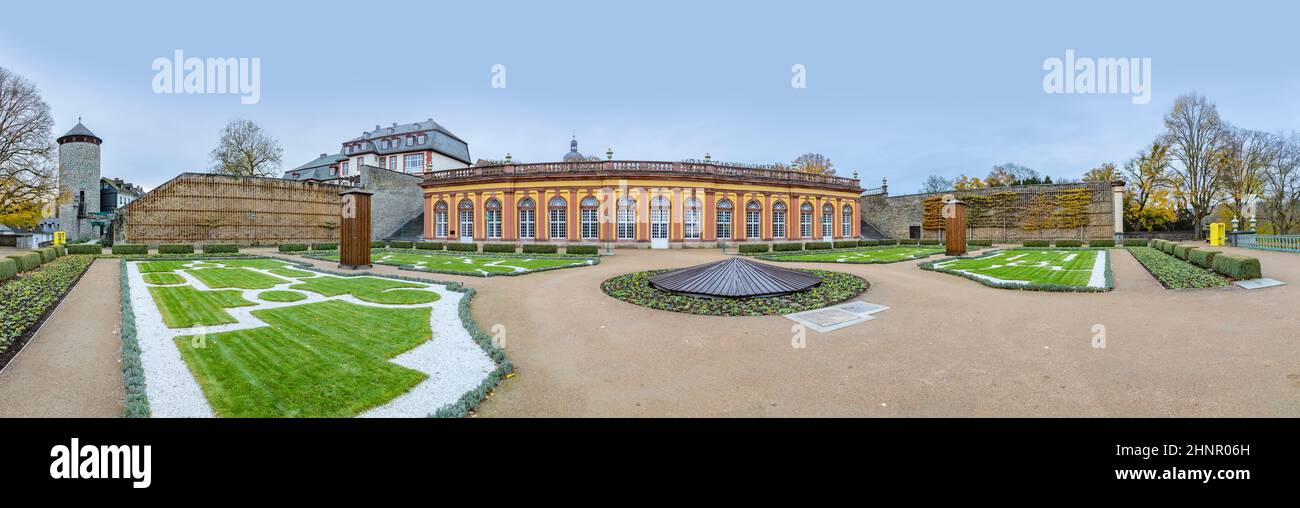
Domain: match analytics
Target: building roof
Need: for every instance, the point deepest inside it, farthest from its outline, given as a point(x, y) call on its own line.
point(573, 155)
point(437, 138)
point(735, 278)
point(79, 130)
point(317, 169)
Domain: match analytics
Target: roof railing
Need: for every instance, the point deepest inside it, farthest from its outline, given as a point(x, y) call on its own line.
point(615, 166)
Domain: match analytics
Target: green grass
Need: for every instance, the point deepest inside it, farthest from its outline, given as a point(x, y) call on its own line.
point(470, 265)
point(292, 272)
point(282, 296)
point(184, 306)
point(262, 263)
point(864, 255)
point(163, 278)
point(161, 266)
point(326, 359)
point(1174, 273)
point(221, 278)
point(370, 289)
point(1039, 268)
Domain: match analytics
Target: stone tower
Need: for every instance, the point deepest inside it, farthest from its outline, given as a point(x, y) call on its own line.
point(78, 181)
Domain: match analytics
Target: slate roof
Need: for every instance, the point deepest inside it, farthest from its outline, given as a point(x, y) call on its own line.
point(735, 278)
point(80, 130)
point(317, 169)
point(438, 139)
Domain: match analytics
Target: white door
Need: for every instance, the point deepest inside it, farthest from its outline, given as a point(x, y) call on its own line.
point(659, 228)
point(467, 227)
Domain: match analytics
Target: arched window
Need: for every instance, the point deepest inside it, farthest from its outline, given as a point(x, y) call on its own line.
point(590, 218)
point(660, 208)
point(466, 208)
point(753, 220)
point(828, 220)
point(558, 217)
point(691, 219)
point(806, 220)
point(778, 220)
point(626, 219)
point(846, 221)
point(440, 219)
point(723, 223)
point(492, 218)
point(527, 218)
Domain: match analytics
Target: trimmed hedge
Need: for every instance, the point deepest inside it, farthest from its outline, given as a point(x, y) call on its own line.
point(8, 269)
point(887, 241)
point(499, 247)
point(979, 243)
point(845, 244)
point(908, 241)
point(461, 247)
point(377, 245)
point(26, 261)
point(1068, 243)
point(787, 247)
point(25, 300)
point(47, 254)
point(429, 245)
point(1237, 267)
point(816, 246)
point(928, 241)
point(1168, 247)
point(293, 247)
point(868, 243)
point(85, 248)
point(1180, 251)
point(1202, 258)
point(753, 248)
point(586, 250)
point(176, 248)
point(1136, 242)
point(325, 246)
point(401, 245)
point(541, 248)
point(1101, 243)
point(1035, 243)
point(130, 248)
point(220, 248)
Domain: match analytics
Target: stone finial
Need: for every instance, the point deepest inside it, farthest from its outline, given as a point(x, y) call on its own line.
point(609, 154)
point(507, 158)
point(707, 157)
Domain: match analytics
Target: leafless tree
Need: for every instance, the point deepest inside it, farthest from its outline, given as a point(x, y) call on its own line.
point(936, 183)
point(246, 150)
point(1242, 161)
point(1280, 201)
point(1195, 135)
point(814, 163)
point(27, 173)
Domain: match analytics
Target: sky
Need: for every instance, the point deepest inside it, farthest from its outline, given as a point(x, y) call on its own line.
point(897, 90)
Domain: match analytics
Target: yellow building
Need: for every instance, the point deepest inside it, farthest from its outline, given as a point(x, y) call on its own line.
point(636, 203)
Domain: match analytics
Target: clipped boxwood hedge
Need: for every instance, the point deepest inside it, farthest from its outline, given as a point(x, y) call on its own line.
point(928, 241)
point(910, 241)
point(585, 250)
point(85, 248)
point(845, 244)
point(1136, 242)
point(1168, 247)
point(461, 247)
point(176, 248)
point(1101, 243)
point(868, 243)
point(979, 243)
point(26, 261)
point(130, 248)
point(325, 246)
point(541, 248)
point(1068, 243)
point(429, 245)
point(787, 247)
point(816, 246)
point(377, 245)
point(220, 248)
point(293, 247)
point(1180, 251)
point(401, 245)
point(887, 241)
point(753, 248)
point(499, 247)
point(1035, 243)
point(1202, 258)
point(1237, 267)
point(47, 254)
point(8, 269)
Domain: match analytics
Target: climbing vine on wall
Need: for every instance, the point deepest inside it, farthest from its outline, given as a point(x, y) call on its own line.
point(1072, 208)
point(1062, 209)
point(932, 217)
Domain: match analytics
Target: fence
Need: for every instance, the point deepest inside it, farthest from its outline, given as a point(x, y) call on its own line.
point(1287, 243)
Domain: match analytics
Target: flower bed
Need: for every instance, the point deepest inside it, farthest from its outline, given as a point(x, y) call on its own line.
point(635, 288)
point(1174, 273)
point(28, 299)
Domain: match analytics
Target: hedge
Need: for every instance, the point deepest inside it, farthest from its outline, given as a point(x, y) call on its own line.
point(928, 241)
point(887, 241)
point(1135, 242)
point(1202, 258)
point(754, 248)
point(130, 248)
point(1068, 243)
point(585, 250)
point(25, 300)
point(8, 268)
point(429, 245)
point(85, 248)
point(1180, 251)
point(1168, 247)
point(220, 248)
point(845, 244)
point(1101, 243)
point(47, 254)
point(499, 247)
point(325, 246)
point(1237, 267)
point(461, 247)
point(376, 245)
point(541, 248)
point(1035, 243)
point(401, 245)
point(979, 243)
point(176, 248)
point(909, 241)
point(787, 247)
point(868, 243)
point(815, 246)
point(293, 247)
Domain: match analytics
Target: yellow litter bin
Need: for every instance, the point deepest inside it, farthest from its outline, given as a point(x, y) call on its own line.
point(60, 238)
point(1217, 233)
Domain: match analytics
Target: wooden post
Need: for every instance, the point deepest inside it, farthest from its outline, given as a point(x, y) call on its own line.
point(354, 235)
point(955, 213)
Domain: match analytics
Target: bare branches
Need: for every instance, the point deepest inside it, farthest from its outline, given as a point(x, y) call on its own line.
point(246, 150)
point(1195, 136)
point(27, 174)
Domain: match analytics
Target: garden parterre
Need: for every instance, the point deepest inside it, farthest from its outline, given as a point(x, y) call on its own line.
point(1042, 269)
point(863, 255)
point(470, 264)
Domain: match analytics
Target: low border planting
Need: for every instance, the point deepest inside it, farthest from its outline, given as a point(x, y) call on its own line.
point(28, 300)
point(131, 249)
point(428, 245)
point(136, 404)
point(1174, 273)
point(176, 248)
point(85, 248)
point(220, 248)
point(595, 260)
point(587, 250)
point(325, 246)
point(1032, 286)
point(836, 287)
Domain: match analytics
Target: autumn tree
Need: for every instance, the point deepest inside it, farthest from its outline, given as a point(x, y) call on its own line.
point(936, 183)
point(1241, 164)
point(244, 149)
point(964, 182)
point(27, 172)
point(814, 163)
point(1195, 135)
point(1106, 172)
point(1147, 188)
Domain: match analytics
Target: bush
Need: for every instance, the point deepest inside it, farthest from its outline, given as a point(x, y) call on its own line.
point(429, 245)
point(176, 248)
point(8, 269)
point(541, 248)
point(401, 245)
point(293, 247)
point(463, 247)
point(60, 250)
point(909, 241)
point(585, 250)
point(887, 241)
point(816, 246)
point(786, 247)
point(1101, 243)
point(1068, 243)
point(1202, 258)
point(130, 248)
point(1168, 247)
point(754, 248)
point(928, 241)
point(868, 243)
point(27, 261)
point(47, 254)
point(325, 246)
point(979, 243)
point(219, 248)
point(25, 300)
point(1135, 242)
point(1035, 243)
point(1175, 274)
point(377, 245)
point(500, 247)
point(1180, 251)
point(1237, 267)
point(85, 248)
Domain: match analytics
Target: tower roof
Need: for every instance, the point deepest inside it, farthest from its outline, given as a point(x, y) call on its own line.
point(735, 278)
point(79, 131)
point(573, 154)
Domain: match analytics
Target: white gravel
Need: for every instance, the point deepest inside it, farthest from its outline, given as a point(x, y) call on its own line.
point(454, 363)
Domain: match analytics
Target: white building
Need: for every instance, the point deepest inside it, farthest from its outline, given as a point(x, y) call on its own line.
point(413, 148)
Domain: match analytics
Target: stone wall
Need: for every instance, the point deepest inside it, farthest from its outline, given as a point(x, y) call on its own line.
point(397, 199)
point(78, 176)
point(894, 215)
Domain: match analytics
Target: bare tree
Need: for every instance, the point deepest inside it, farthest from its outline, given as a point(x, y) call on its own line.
point(814, 163)
point(27, 173)
point(1195, 135)
point(1280, 202)
point(936, 183)
point(1242, 161)
point(246, 150)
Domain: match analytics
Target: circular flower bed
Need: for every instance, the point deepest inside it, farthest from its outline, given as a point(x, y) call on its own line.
point(635, 288)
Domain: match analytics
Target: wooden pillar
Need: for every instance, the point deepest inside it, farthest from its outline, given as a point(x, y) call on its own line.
point(955, 213)
point(354, 233)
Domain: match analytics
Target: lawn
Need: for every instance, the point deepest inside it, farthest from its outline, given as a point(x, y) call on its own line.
point(221, 278)
point(292, 272)
point(866, 255)
point(184, 306)
point(1065, 270)
point(163, 278)
point(483, 265)
point(1174, 273)
point(162, 266)
point(370, 289)
point(325, 359)
point(282, 296)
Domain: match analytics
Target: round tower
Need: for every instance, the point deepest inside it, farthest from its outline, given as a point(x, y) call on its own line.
point(78, 181)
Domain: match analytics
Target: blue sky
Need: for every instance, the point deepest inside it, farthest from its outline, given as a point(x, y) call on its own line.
point(897, 91)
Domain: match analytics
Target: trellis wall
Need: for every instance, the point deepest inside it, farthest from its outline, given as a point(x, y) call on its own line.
point(207, 208)
point(1078, 210)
